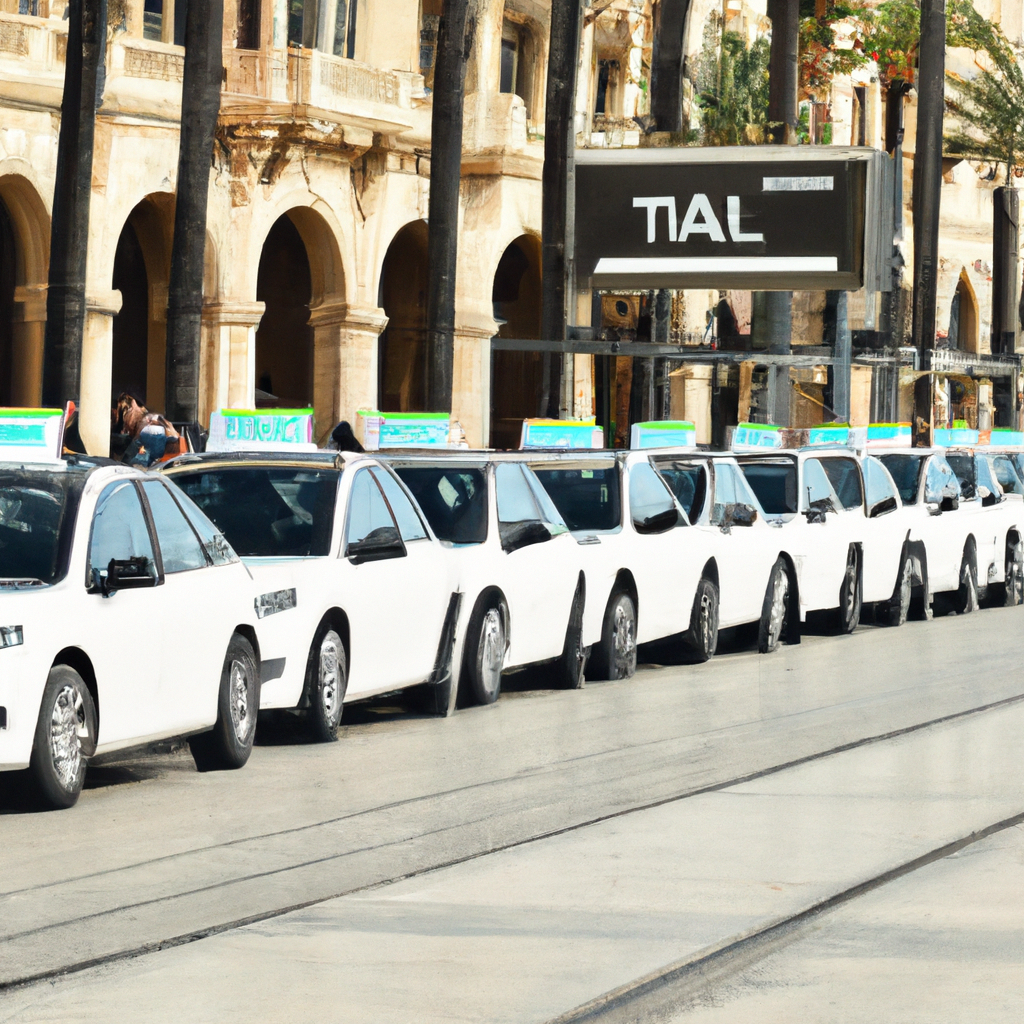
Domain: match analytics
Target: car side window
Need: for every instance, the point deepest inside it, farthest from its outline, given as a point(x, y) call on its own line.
point(516, 501)
point(940, 481)
point(651, 505)
point(368, 513)
point(844, 476)
point(815, 485)
point(180, 549)
point(985, 477)
point(119, 529)
point(1006, 474)
point(727, 491)
point(877, 482)
point(409, 523)
point(215, 544)
point(688, 482)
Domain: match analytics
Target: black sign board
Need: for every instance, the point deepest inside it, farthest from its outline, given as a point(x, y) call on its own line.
point(765, 218)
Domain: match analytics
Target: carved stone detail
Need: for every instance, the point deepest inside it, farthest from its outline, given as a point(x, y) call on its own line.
point(165, 67)
point(12, 38)
point(359, 82)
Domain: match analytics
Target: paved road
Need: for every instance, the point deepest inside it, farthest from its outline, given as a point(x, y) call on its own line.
point(615, 834)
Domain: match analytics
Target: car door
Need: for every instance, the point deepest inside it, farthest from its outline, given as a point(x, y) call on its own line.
point(203, 599)
point(379, 594)
point(746, 548)
point(825, 534)
point(947, 526)
point(539, 567)
point(670, 555)
point(886, 532)
point(129, 628)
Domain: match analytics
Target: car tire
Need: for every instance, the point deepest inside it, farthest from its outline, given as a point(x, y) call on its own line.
point(701, 639)
point(1013, 587)
point(615, 656)
point(850, 594)
point(896, 610)
point(484, 660)
point(965, 597)
point(326, 683)
point(229, 744)
point(571, 667)
point(776, 609)
point(65, 739)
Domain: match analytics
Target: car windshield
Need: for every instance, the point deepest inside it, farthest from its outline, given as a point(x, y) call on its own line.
point(905, 471)
point(587, 498)
point(267, 511)
point(453, 498)
point(37, 516)
point(773, 484)
point(686, 480)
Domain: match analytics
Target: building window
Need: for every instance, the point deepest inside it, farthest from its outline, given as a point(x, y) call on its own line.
point(29, 7)
point(518, 59)
point(248, 25)
point(328, 26)
point(606, 95)
point(163, 21)
point(509, 58)
point(430, 19)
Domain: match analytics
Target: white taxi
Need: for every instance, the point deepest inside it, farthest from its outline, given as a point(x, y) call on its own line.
point(357, 597)
point(125, 618)
point(519, 567)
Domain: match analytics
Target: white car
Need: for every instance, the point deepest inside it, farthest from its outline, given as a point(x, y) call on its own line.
point(843, 526)
point(519, 568)
point(968, 543)
point(358, 597)
point(125, 618)
point(649, 577)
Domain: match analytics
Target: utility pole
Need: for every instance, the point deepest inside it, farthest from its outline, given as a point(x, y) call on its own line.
point(1005, 269)
point(775, 330)
point(927, 194)
point(84, 74)
point(453, 43)
point(200, 106)
point(559, 144)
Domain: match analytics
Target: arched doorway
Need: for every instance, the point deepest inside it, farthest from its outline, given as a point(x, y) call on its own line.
point(24, 262)
point(284, 338)
point(402, 355)
point(516, 377)
point(963, 317)
point(8, 276)
point(141, 272)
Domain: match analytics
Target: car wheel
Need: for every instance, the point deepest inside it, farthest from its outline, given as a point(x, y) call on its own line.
point(775, 609)
point(965, 598)
point(1013, 588)
point(701, 639)
point(848, 615)
point(229, 743)
point(896, 610)
point(326, 682)
point(615, 656)
point(571, 666)
point(485, 654)
point(65, 739)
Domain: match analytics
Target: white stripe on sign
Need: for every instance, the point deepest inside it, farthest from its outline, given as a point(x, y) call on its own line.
point(823, 183)
point(720, 264)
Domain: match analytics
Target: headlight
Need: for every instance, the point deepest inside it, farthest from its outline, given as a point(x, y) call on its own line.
point(274, 602)
point(12, 636)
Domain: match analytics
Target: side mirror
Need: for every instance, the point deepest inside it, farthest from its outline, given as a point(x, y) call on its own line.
point(988, 498)
point(658, 523)
point(739, 514)
point(384, 542)
point(522, 534)
point(816, 511)
point(881, 507)
point(949, 503)
point(125, 574)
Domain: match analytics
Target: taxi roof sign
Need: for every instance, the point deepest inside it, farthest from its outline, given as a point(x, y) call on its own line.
point(31, 435)
point(261, 430)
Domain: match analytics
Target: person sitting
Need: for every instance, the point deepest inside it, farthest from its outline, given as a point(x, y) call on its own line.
point(343, 440)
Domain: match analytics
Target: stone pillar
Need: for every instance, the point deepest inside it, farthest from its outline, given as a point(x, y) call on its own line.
point(471, 380)
point(227, 358)
point(28, 328)
point(344, 361)
point(97, 348)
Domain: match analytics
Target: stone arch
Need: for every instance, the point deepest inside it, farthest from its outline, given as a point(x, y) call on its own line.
point(402, 294)
point(516, 377)
point(141, 273)
point(24, 266)
point(964, 317)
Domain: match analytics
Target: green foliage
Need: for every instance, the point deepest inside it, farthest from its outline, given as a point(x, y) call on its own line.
point(820, 58)
point(732, 91)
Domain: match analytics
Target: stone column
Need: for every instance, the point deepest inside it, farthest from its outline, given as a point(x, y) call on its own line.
point(97, 348)
point(28, 328)
point(344, 361)
point(471, 382)
point(227, 359)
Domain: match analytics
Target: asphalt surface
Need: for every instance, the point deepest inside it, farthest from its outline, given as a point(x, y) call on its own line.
point(626, 852)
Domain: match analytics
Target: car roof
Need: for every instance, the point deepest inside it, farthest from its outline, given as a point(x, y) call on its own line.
point(322, 459)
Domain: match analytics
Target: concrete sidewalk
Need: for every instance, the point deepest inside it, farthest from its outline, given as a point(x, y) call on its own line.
point(529, 933)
